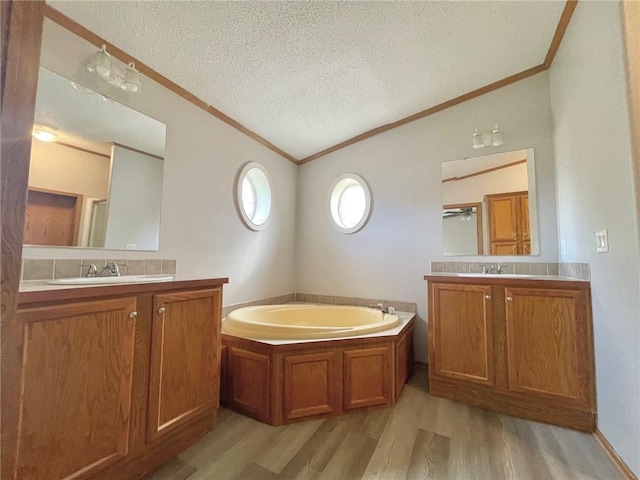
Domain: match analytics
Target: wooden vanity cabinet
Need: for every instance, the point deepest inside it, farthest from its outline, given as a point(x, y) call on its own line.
point(116, 380)
point(520, 347)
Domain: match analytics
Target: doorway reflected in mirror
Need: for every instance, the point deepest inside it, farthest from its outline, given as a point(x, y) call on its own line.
point(489, 205)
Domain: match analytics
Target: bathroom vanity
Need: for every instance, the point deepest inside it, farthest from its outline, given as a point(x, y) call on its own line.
point(117, 379)
point(520, 345)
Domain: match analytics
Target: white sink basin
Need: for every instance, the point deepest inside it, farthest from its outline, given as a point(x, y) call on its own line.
point(111, 280)
point(497, 275)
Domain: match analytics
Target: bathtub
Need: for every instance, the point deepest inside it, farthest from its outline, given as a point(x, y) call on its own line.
point(300, 322)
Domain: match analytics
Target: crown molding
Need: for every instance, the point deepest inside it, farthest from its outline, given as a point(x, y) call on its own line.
point(83, 32)
point(565, 17)
point(74, 27)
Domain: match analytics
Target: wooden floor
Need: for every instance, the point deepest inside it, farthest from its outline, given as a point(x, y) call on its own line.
point(421, 437)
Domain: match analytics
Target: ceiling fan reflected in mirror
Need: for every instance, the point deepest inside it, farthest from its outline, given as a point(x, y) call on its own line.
point(466, 213)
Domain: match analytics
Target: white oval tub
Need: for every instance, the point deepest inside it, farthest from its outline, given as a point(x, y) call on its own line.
point(306, 321)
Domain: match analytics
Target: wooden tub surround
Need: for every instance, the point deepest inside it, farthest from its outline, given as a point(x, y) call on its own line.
point(520, 346)
point(287, 381)
point(116, 380)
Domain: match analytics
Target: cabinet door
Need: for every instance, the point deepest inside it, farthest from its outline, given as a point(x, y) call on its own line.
point(310, 384)
point(249, 383)
point(368, 377)
point(547, 343)
point(503, 218)
point(76, 388)
point(185, 346)
point(461, 333)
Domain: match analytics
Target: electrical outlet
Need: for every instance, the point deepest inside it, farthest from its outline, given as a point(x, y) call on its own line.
point(602, 241)
point(563, 246)
point(131, 246)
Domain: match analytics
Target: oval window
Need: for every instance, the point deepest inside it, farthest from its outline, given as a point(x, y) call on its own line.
point(349, 203)
point(253, 195)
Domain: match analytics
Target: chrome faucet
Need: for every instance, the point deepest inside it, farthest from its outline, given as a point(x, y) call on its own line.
point(111, 270)
point(91, 271)
point(493, 268)
point(380, 306)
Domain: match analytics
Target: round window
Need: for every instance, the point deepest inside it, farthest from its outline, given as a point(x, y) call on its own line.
point(253, 194)
point(349, 203)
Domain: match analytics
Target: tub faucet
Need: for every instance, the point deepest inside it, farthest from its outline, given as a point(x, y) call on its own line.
point(381, 307)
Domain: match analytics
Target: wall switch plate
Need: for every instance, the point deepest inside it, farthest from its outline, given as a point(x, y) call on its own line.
point(602, 241)
point(563, 246)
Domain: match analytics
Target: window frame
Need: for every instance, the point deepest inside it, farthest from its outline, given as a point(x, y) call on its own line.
point(338, 187)
point(261, 185)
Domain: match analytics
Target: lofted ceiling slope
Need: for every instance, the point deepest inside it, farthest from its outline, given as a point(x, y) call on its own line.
point(308, 75)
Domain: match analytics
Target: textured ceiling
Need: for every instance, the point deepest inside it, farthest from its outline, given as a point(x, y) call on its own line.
point(308, 75)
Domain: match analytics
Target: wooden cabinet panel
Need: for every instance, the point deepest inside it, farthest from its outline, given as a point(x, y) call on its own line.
point(504, 248)
point(509, 229)
point(503, 218)
point(77, 386)
point(250, 380)
point(401, 364)
point(404, 360)
point(524, 218)
point(367, 377)
point(310, 384)
point(461, 330)
point(546, 348)
point(184, 358)
point(224, 369)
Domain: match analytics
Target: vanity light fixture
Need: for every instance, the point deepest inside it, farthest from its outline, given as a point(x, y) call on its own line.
point(44, 134)
point(101, 65)
point(131, 80)
point(485, 139)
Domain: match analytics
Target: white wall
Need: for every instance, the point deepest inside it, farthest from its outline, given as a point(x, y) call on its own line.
point(56, 167)
point(595, 191)
point(390, 255)
point(200, 227)
point(135, 200)
point(473, 189)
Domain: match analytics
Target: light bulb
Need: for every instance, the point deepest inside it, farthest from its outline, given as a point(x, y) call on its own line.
point(477, 140)
point(496, 137)
point(101, 65)
point(44, 134)
point(131, 81)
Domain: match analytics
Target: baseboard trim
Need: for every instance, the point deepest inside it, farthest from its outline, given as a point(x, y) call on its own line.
point(611, 453)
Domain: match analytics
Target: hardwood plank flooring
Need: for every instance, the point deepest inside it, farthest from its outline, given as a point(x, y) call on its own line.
point(422, 437)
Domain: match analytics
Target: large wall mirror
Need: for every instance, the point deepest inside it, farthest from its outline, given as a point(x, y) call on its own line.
point(489, 205)
point(95, 178)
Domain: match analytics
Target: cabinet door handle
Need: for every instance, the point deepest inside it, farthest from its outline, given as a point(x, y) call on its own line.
point(509, 299)
point(488, 297)
point(133, 314)
point(161, 310)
